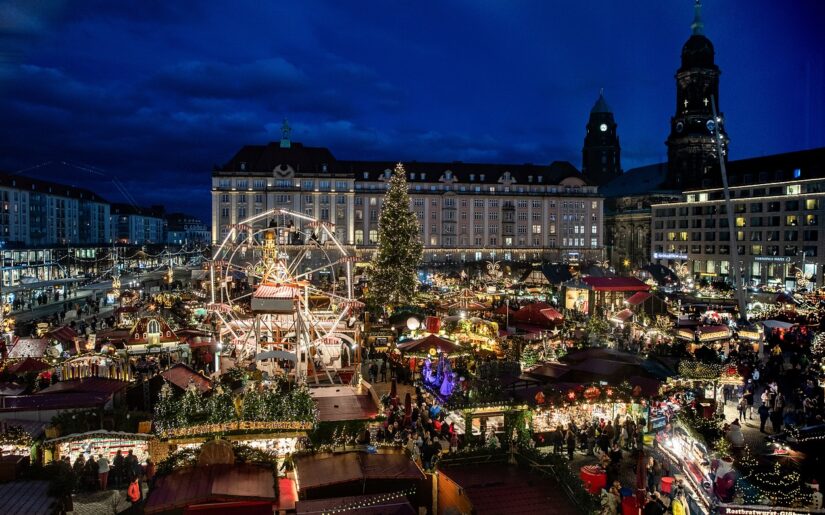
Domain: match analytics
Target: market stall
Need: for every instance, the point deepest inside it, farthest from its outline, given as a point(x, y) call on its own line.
point(107, 366)
point(683, 451)
point(99, 442)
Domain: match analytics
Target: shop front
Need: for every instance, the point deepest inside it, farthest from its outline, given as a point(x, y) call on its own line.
point(95, 443)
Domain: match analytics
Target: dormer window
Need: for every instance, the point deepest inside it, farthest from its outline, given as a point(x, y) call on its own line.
point(243, 166)
point(481, 177)
point(540, 178)
point(422, 176)
point(529, 178)
point(472, 177)
point(366, 175)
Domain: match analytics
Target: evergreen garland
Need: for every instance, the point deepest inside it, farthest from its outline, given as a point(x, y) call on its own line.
point(192, 408)
point(393, 276)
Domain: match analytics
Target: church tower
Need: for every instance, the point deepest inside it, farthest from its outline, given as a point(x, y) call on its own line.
point(601, 154)
point(691, 146)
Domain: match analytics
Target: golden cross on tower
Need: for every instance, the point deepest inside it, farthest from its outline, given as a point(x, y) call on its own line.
point(705, 101)
point(686, 103)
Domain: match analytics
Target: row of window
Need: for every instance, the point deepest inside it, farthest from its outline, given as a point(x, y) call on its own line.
point(773, 206)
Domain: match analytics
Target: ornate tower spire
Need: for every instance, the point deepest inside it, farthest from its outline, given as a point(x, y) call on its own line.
point(697, 27)
point(601, 154)
point(285, 132)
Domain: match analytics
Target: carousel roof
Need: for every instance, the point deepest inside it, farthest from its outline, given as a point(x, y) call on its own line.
point(430, 342)
point(266, 291)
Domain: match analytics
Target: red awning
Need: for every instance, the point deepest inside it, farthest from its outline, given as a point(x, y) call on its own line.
point(638, 297)
point(615, 284)
point(28, 365)
point(503, 310)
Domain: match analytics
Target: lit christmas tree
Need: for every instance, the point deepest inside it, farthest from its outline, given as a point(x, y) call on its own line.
point(220, 407)
point(165, 410)
point(393, 275)
point(191, 408)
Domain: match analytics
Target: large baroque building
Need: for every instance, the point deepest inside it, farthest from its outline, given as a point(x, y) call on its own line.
point(466, 212)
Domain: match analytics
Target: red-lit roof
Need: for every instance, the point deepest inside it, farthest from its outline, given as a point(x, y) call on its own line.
point(181, 375)
point(29, 348)
point(638, 297)
point(623, 315)
point(615, 283)
point(539, 314)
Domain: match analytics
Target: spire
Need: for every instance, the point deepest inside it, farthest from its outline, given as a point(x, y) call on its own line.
point(697, 27)
point(601, 104)
point(285, 132)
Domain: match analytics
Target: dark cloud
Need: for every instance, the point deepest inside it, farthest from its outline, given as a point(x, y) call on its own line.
point(155, 93)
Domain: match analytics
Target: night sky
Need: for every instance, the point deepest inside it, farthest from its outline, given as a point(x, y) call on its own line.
point(155, 94)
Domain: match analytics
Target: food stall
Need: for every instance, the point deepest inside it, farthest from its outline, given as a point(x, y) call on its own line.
point(684, 452)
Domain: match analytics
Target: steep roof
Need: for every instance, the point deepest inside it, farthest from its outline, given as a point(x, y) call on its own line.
point(264, 158)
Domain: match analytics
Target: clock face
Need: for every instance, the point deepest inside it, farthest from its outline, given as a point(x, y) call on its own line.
point(711, 125)
point(603, 127)
point(679, 126)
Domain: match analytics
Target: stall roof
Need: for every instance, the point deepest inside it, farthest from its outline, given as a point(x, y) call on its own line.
point(615, 284)
point(638, 297)
point(64, 334)
point(27, 498)
point(777, 324)
point(428, 342)
point(28, 365)
point(360, 504)
point(212, 484)
point(538, 313)
point(494, 489)
point(181, 376)
point(10, 388)
point(318, 471)
point(343, 403)
point(623, 315)
point(29, 348)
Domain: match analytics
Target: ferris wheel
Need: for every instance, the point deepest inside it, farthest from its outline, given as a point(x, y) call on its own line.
point(284, 292)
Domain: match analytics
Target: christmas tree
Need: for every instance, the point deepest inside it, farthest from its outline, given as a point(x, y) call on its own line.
point(165, 410)
point(393, 275)
point(191, 409)
point(220, 407)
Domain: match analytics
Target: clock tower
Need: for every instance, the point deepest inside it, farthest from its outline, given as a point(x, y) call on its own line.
point(691, 146)
point(601, 155)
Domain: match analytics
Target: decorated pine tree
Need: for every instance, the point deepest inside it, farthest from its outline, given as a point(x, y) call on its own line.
point(220, 407)
point(191, 408)
point(165, 410)
point(254, 406)
point(393, 275)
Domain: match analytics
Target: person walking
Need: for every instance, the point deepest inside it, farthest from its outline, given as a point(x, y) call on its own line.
point(743, 408)
point(103, 471)
point(571, 443)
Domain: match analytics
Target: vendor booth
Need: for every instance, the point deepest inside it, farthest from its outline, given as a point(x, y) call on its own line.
point(685, 452)
point(95, 443)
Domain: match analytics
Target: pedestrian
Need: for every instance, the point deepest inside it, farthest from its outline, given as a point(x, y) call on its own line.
point(118, 468)
point(764, 412)
point(749, 391)
point(383, 370)
point(134, 493)
point(103, 471)
point(571, 444)
point(743, 408)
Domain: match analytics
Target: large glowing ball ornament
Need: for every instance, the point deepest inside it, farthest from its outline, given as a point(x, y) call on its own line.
point(413, 323)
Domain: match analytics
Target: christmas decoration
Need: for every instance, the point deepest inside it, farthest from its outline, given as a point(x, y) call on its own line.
point(165, 409)
point(393, 275)
point(220, 407)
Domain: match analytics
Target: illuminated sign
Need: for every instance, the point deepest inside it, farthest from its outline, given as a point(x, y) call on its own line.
point(669, 255)
point(772, 259)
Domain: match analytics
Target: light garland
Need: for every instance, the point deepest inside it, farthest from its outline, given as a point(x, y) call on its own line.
point(372, 501)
